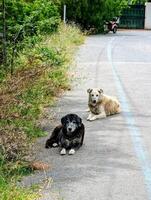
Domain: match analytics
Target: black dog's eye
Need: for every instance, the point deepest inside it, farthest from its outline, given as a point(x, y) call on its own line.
point(74, 122)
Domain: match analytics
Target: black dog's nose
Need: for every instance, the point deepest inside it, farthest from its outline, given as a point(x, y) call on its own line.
point(69, 129)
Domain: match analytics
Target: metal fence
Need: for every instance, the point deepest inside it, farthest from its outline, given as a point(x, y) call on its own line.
point(133, 17)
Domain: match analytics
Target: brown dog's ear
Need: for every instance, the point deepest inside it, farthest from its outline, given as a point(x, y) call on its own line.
point(100, 91)
point(89, 90)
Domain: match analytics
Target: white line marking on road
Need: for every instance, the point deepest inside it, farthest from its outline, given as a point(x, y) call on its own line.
point(138, 143)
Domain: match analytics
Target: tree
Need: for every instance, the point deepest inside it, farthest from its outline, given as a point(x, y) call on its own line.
point(93, 13)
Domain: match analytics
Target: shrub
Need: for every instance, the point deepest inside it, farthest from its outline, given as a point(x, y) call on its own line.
point(27, 19)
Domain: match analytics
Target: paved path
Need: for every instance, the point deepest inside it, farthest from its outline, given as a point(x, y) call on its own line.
point(114, 163)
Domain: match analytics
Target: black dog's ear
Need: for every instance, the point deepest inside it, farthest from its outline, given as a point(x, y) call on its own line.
point(63, 120)
point(79, 120)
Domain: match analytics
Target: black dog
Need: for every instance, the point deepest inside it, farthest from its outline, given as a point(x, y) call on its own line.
point(69, 135)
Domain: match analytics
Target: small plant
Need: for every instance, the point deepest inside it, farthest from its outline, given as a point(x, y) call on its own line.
point(51, 56)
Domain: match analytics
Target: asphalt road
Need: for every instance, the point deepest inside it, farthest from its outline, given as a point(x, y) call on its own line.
point(114, 163)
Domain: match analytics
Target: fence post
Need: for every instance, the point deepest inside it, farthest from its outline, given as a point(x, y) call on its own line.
point(64, 14)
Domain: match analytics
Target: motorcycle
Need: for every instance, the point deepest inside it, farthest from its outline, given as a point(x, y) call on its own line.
point(110, 26)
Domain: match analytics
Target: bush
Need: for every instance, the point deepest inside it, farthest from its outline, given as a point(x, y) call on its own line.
point(27, 19)
point(30, 17)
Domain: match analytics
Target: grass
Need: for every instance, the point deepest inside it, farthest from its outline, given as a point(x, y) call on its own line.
point(12, 192)
point(9, 173)
point(41, 73)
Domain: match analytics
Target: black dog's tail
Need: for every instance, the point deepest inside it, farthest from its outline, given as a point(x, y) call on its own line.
point(54, 138)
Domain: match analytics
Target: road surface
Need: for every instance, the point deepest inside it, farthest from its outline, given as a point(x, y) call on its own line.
point(114, 163)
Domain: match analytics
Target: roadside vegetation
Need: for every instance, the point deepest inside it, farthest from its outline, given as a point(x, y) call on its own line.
point(39, 51)
point(40, 75)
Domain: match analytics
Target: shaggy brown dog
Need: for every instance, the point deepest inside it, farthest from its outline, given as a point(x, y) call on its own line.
point(101, 105)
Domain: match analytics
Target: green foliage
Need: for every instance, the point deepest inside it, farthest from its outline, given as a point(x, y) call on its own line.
point(28, 19)
point(50, 56)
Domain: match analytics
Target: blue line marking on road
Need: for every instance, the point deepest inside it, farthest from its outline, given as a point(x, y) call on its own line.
point(137, 140)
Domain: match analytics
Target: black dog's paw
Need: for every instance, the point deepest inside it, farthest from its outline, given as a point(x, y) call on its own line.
point(54, 145)
point(51, 144)
point(48, 144)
